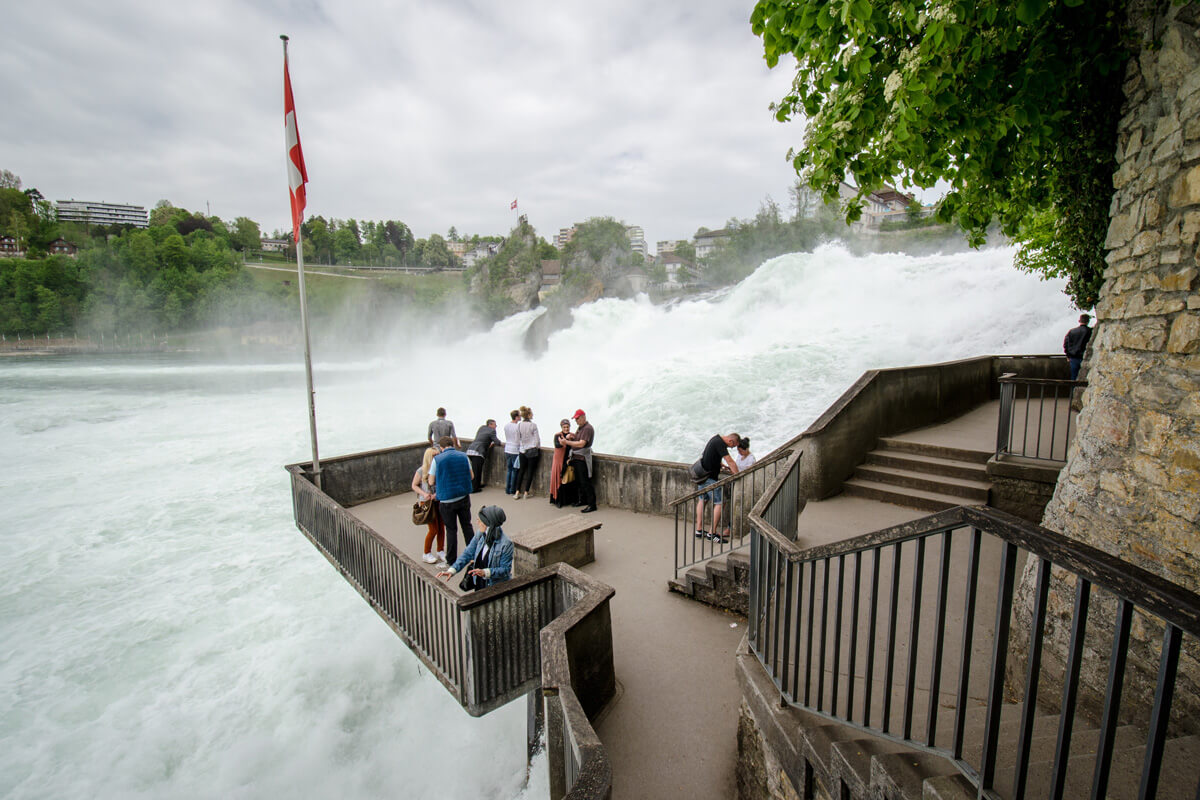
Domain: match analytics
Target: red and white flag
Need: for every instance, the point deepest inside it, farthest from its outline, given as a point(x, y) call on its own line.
point(514, 205)
point(297, 175)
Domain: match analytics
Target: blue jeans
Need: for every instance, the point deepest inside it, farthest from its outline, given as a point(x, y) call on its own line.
point(715, 495)
point(1075, 364)
point(513, 462)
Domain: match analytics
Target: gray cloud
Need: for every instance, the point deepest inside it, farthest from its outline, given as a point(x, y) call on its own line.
point(438, 114)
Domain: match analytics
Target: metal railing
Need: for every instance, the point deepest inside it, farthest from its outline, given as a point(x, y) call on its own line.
point(489, 647)
point(1036, 420)
point(740, 493)
point(924, 634)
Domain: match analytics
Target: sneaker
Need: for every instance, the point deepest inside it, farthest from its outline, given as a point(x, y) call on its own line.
point(441, 554)
point(701, 534)
point(429, 558)
point(716, 537)
point(588, 510)
point(517, 496)
point(443, 565)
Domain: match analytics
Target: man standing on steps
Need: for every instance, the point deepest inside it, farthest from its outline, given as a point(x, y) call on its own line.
point(477, 452)
point(1076, 343)
point(581, 460)
point(710, 462)
point(451, 471)
point(442, 427)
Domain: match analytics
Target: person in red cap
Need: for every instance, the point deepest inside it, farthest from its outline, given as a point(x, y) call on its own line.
point(581, 460)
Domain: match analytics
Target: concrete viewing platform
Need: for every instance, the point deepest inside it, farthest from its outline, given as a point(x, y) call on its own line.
point(672, 729)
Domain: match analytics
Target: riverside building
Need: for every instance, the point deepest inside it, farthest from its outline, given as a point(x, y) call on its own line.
point(93, 213)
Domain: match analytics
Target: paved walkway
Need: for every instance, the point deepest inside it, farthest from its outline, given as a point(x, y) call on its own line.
point(672, 730)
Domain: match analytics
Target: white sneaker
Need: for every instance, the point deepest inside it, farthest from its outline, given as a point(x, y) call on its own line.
point(441, 554)
point(443, 564)
point(429, 558)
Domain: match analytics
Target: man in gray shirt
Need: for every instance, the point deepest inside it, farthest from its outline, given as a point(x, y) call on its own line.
point(442, 427)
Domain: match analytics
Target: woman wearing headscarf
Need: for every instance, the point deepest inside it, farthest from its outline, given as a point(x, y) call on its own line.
point(531, 450)
point(491, 549)
point(560, 462)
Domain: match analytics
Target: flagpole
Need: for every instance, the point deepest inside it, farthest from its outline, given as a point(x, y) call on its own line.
point(312, 408)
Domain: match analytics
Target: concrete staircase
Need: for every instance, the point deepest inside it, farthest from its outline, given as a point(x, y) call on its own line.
point(723, 582)
point(923, 476)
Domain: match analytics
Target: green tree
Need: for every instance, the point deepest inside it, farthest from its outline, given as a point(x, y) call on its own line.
point(1014, 104)
point(436, 254)
point(245, 235)
point(8, 180)
point(345, 245)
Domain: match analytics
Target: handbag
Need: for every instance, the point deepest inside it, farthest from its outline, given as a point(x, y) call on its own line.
point(422, 512)
point(697, 472)
point(568, 475)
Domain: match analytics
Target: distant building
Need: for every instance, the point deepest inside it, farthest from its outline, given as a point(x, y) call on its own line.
point(551, 273)
point(275, 245)
point(10, 247)
point(679, 271)
point(667, 246)
point(565, 235)
point(709, 241)
point(481, 250)
point(61, 247)
point(637, 239)
point(458, 248)
point(90, 213)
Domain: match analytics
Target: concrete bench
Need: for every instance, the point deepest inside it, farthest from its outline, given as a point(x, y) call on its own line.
point(569, 539)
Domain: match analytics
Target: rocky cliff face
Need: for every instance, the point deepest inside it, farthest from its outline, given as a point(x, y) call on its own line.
point(508, 282)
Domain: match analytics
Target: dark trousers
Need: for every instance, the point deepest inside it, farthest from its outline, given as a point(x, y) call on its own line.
point(512, 462)
point(453, 514)
point(528, 467)
point(587, 492)
point(477, 464)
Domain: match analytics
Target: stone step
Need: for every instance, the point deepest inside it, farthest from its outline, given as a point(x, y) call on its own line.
point(723, 582)
point(909, 498)
point(935, 450)
point(954, 468)
point(973, 490)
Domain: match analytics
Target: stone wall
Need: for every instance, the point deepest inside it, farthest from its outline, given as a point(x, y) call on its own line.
point(1132, 482)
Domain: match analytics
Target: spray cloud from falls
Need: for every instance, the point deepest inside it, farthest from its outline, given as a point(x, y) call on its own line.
point(764, 357)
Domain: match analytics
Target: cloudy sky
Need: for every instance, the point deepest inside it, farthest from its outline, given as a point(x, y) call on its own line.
point(437, 113)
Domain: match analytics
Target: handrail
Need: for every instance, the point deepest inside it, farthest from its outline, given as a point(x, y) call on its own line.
point(781, 453)
point(917, 656)
point(739, 493)
point(1053, 398)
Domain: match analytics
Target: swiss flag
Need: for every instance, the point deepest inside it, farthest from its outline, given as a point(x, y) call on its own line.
point(514, 205)
point(297, 175)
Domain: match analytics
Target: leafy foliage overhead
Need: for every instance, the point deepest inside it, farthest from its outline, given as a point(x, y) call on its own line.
point(1013, 103)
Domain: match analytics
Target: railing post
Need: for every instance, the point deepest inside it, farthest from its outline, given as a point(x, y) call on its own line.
point(1004, 425)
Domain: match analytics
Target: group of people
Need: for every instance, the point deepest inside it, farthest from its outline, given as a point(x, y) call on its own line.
point(448, 477)
point(572, 463)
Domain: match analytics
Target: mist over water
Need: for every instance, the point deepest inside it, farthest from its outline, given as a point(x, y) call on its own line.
point(169, 633)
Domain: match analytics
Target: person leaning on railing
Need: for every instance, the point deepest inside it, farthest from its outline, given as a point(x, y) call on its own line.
point(715, 451)
point(490, 547)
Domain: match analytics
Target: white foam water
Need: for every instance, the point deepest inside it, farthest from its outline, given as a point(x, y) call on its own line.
point(168, 633)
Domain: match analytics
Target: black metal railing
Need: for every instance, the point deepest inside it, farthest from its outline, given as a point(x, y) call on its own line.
point(489, 647)
point(739, 494)
point(988, 640)
point(1036, 420)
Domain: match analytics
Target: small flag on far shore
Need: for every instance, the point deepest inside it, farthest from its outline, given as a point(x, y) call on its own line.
point(297, 175)
point(514, 205)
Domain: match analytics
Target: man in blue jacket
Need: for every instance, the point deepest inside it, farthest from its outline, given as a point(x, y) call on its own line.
point(451, 471)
